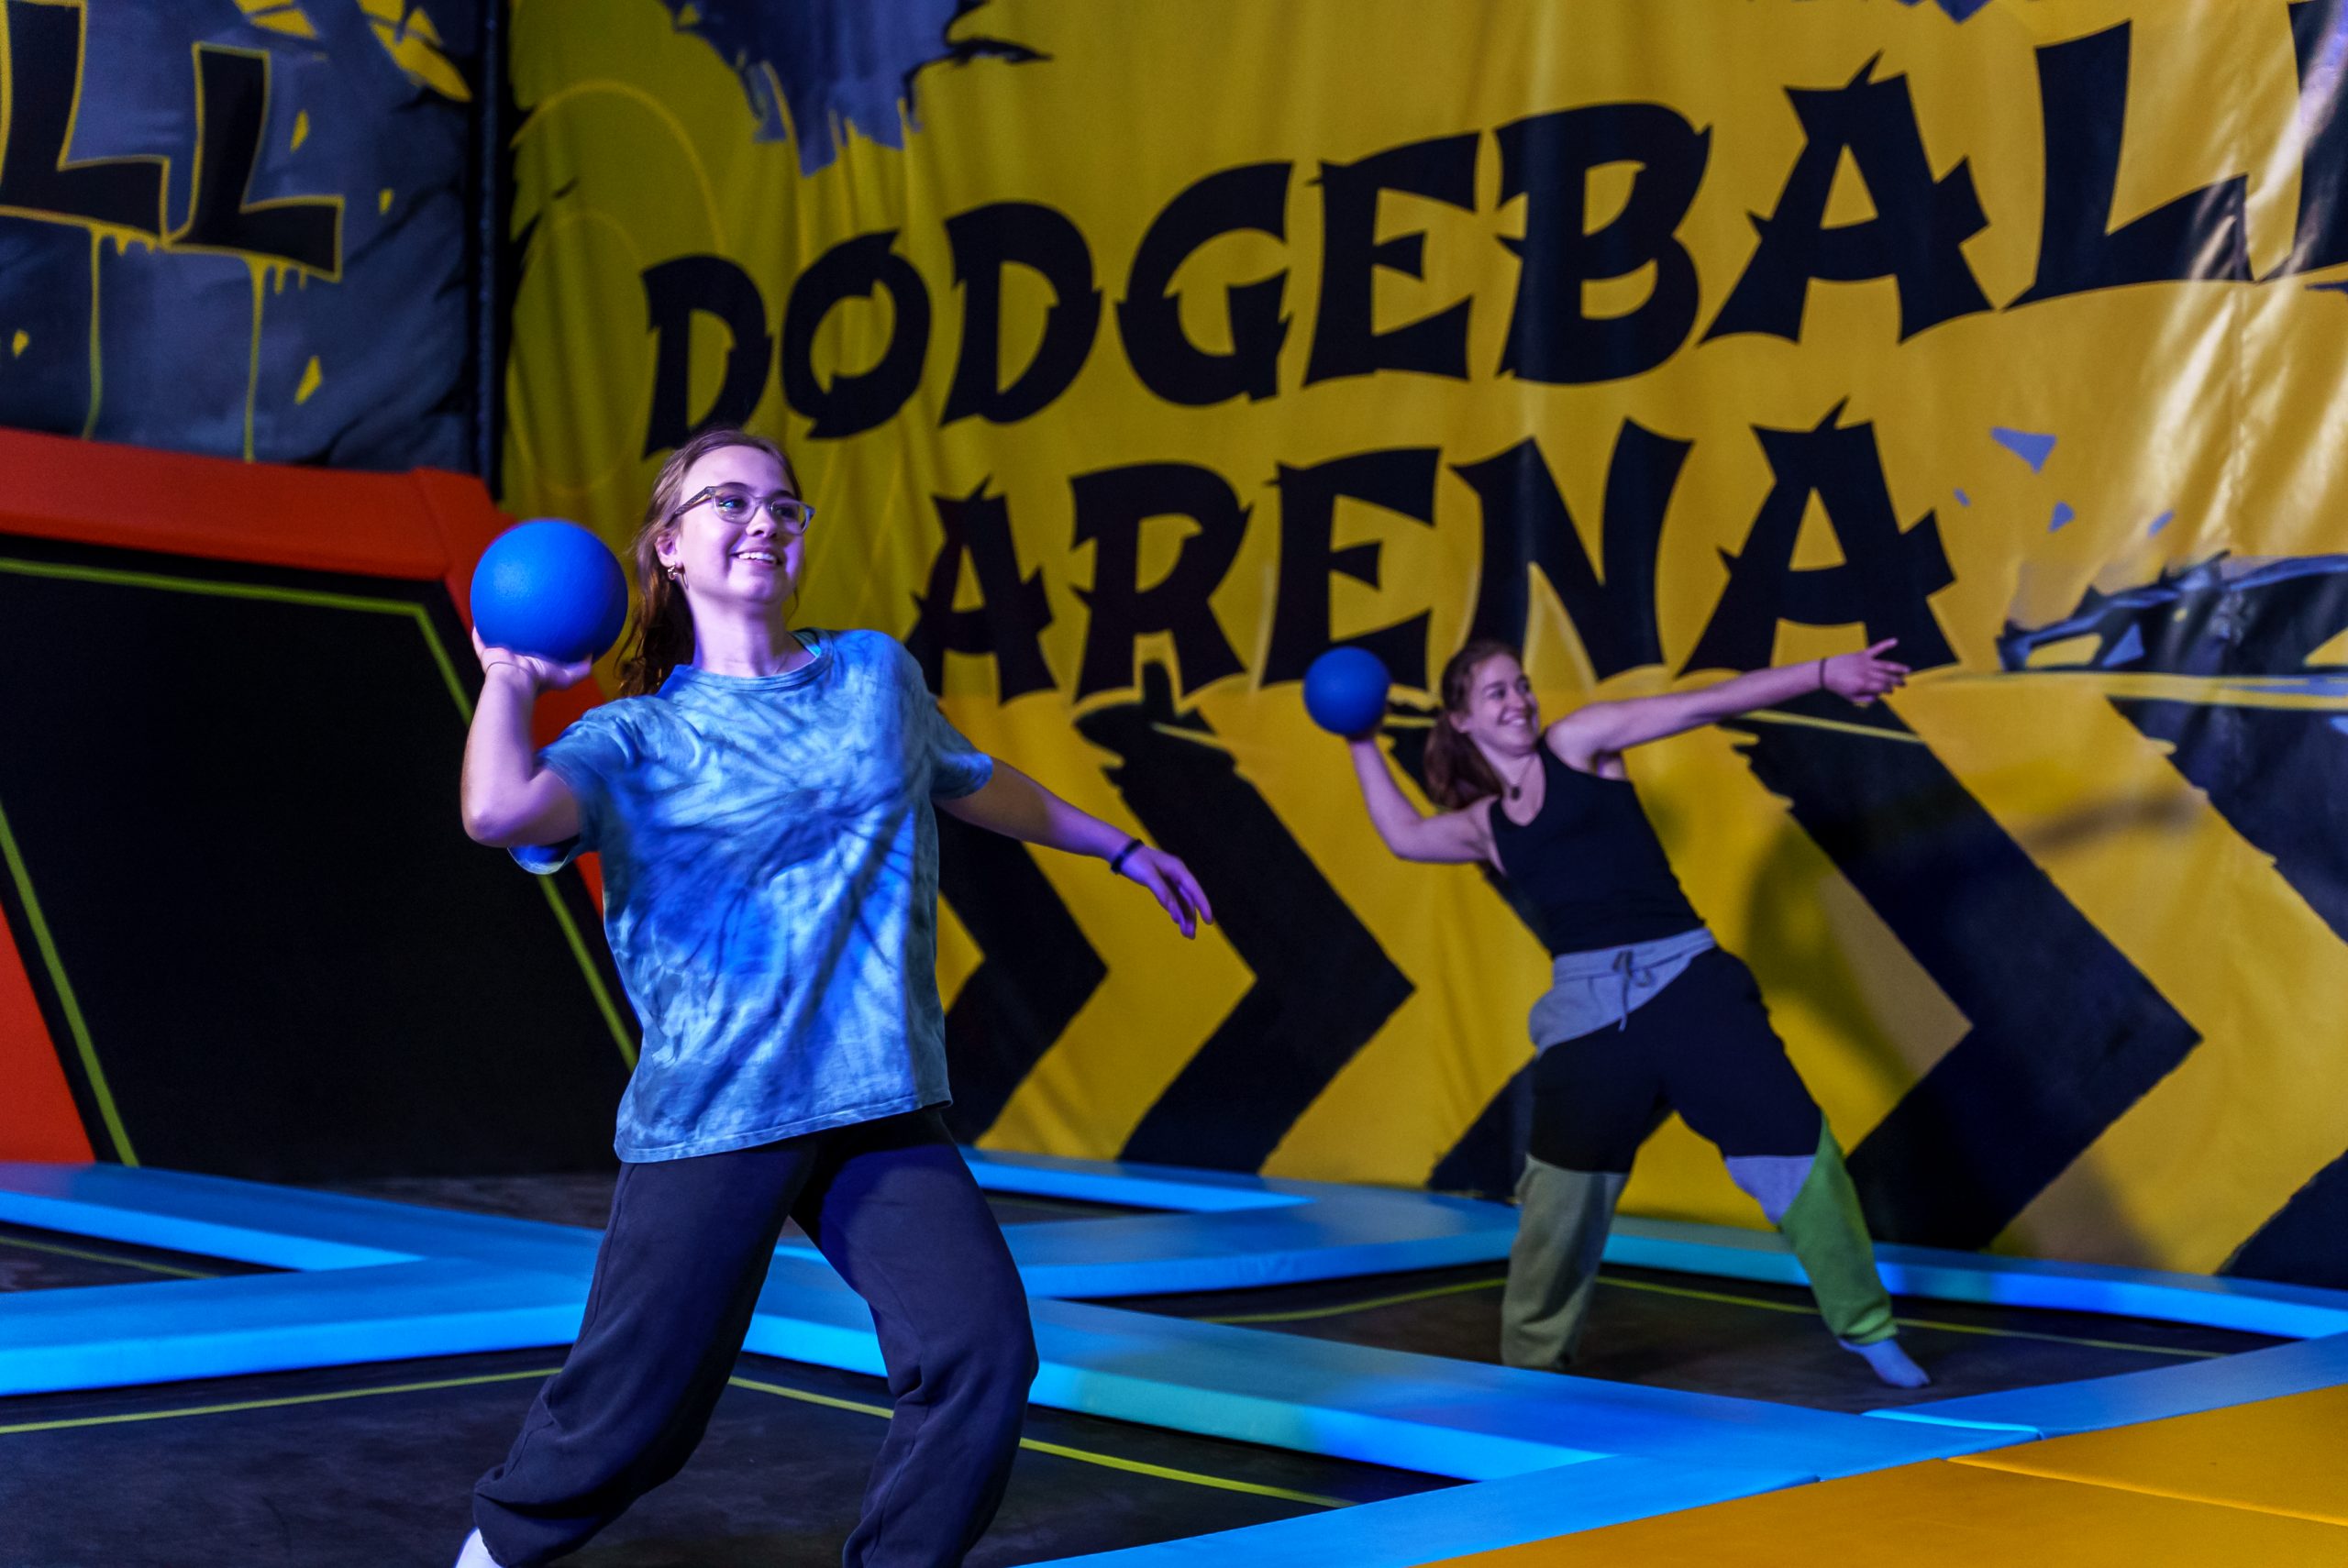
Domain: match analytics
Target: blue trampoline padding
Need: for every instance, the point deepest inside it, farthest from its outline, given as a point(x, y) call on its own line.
point(280, 1227)
point(1241, 1232)
point(2063, 1408)
point(2246, 1306)
point(1230, 1231)
point(1242, 1249)
point(454, 1291)
point(110, 1336)
point(205, 1215)
point(1226, 1231)
point(1403, 1532)
point(385, 1280)
point(1138, 1186)
point(1427, 1413)
point(1236, 1231)
point(2212, 1301)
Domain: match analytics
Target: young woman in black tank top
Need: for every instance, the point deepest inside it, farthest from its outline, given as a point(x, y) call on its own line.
point(1647, 1015)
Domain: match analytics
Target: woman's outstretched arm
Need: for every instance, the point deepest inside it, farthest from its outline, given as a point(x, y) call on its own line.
point(1448, 837)
point(506, 798)
point(1589, 733)
point(1014, 805)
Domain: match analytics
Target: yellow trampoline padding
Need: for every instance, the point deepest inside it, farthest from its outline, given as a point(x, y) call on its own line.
point(2279, 1456)
point(1939, 1515)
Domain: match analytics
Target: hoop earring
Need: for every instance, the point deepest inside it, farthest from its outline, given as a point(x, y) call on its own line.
point(676, 573)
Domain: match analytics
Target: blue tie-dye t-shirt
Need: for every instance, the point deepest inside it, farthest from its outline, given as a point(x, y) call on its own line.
point(770, 891)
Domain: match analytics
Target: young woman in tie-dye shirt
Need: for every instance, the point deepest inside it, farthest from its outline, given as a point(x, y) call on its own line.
point(763, 800)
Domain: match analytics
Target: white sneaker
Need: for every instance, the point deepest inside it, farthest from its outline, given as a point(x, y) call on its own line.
point(474, 1554)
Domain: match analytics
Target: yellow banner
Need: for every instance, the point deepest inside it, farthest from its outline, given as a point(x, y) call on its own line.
point(1134, 354)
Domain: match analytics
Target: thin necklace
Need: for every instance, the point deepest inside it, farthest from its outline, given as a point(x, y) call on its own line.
point(1517, 788)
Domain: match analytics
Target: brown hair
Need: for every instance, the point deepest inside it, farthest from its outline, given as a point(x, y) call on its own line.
point(663, 635)
point(1457, 774)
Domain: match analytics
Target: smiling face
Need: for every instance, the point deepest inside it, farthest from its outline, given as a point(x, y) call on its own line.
point(1500, 715)
point(734, 555)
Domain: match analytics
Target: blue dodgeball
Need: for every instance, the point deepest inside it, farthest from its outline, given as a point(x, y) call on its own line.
point(1345, 690)
point(549, 588)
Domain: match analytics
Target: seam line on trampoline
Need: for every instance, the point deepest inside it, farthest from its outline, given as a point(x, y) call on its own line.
point(441, 657)
point(45, 945)
point(1306, 1313)
point(1109, 1460)
point(587, 968)
point(104, 1258)
point(571, 933)
point(123, 1417)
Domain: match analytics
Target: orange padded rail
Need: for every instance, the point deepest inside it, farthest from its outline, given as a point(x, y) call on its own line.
point(38, 1118)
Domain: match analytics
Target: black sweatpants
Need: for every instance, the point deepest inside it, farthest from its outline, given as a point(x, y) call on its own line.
point(896, 1211)
point(1703, 1047)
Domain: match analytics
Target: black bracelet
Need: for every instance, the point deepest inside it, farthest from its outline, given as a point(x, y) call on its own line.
point(1822, 675)
point(1117, 861)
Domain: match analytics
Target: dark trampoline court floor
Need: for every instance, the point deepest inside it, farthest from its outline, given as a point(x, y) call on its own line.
point(371, 1466)
point(1717, 1336)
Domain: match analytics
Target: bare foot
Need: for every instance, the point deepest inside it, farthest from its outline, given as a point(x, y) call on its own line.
point(1889, 1362)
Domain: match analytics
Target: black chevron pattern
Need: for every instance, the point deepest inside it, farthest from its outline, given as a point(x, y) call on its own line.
point(1323, 985)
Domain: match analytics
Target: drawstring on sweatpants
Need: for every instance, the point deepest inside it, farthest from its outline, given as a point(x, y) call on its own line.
point(1601, 986)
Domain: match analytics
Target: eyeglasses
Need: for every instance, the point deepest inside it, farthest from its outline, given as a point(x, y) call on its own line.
point(735, 503)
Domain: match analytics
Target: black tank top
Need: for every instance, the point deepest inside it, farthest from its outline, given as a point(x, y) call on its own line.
point(1588, 870)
